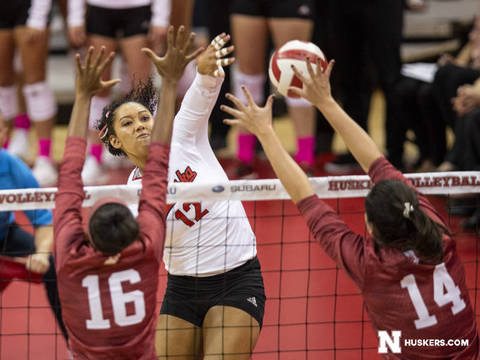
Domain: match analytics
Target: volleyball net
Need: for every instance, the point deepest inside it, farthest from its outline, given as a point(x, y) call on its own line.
point(313, 310)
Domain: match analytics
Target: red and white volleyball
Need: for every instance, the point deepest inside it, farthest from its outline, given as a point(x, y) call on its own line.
point(294, 52)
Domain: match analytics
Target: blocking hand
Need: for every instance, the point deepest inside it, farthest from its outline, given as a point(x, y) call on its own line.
point(89, 81)
point(212, 60)
point(172, 65)
point(256, 119)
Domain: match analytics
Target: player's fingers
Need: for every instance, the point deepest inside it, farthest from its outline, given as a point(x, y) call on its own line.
point(234, 112)
point(249, 97)
point(225, 62)
point(149, 53)
point(238, 104)
point(269, 102)
point(329, 68)
point(219, 41)
point(224, 52)
point(188, 42)
point(296, 91)
point(219, 72)
point(310, 70)
point(99, 57)
point(194, 54)
point(231, 122)
point(88, 57)
point(78, 64)
point(180, 37)
point(110, 83)
point(170, 37)
point(107, 62)
point(298, 74)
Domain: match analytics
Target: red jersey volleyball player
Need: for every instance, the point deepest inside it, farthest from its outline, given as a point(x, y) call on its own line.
point(408, 269)
point(108, 275)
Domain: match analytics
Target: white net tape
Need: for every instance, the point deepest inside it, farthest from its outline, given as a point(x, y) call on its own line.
point(439, 183)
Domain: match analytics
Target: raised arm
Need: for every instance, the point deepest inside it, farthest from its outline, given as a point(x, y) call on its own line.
point(258, 120)
point(340, 243)
point(152, 207)
point(316, 89)
point(70, 194)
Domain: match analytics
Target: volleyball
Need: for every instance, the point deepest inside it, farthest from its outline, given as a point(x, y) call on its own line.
point(294, 52)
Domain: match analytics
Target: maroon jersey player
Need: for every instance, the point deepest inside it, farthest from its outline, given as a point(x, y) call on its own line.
point(408, 269)
point(107, 276)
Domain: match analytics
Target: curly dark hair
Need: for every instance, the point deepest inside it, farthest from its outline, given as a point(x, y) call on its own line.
point(143, 93)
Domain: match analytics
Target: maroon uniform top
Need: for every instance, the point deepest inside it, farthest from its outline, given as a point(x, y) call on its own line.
point(109, 310)
point(423, 301)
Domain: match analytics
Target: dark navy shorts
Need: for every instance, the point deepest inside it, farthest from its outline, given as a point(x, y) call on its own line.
point(302, 9)
point(118, 23)
point(189, 298)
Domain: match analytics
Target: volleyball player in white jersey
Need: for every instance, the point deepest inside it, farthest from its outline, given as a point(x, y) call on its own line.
point(214, 302)
point(129, 25)
point(24, 27)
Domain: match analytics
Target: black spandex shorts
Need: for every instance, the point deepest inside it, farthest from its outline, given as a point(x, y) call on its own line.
point(302, 9)
point(118, 23)
point(190, 298)
point(14, 13)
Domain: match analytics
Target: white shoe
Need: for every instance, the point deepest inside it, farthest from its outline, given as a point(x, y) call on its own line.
point(45, 171)
point(18, 144)
point(93, 173)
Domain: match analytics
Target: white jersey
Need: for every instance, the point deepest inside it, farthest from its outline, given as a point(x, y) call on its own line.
point(210, 237)
point(160, 9)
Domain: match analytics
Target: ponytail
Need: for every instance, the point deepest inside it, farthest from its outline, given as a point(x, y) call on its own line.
point(392, 207)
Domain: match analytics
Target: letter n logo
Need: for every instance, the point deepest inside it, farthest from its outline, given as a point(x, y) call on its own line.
point(393, 342)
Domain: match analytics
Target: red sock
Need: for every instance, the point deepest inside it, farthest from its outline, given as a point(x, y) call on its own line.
point(246, 148)
point(44, 147)
point(5, 145)
point(96, 152)
point(305, 150)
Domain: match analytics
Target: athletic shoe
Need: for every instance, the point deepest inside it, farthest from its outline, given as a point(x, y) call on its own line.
point(45, 171)
point(343, 164)
point(18, 144)
point(93, 173)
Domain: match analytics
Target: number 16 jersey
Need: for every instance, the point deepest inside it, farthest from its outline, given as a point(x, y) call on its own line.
point(209, 237)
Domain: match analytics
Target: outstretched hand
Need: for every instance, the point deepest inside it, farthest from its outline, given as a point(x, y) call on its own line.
point(316, 87)
point(172, 65)
point(212, 60)
point(256, 119)
point(88, 81)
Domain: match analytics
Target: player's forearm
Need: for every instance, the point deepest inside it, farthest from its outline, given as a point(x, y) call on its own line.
point(290, 174)
point(44, 239)
point(357, 140)
point(162, 130)
point(79, 119)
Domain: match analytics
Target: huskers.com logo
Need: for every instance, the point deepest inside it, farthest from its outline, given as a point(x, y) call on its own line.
point(391, 343)
point(385, 342)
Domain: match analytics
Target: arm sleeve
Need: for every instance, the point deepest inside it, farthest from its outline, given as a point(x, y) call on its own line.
point(38, 14)
point(76, 13)
point(68, 200)
point(152, 204)
point(191, 122)
point(161, 12)
point(381, 169)
point(23, 178)
point(341, 244)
